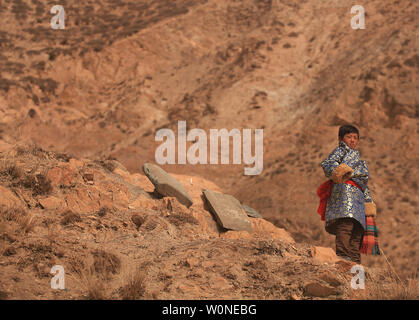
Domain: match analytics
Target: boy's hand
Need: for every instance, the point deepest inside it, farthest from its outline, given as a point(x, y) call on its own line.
point(370, 209)
point(342, 173)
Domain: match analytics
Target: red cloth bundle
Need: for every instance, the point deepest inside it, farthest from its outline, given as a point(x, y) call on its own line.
point(324, 193)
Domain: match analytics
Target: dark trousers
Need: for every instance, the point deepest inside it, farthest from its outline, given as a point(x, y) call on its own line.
point(349, 235)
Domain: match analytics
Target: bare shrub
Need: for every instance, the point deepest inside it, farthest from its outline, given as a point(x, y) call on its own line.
point(94, 286)
point(13, 214)
point(103, 211)
point(39, 184)
point(77, 265)
point(105, 263)
point(95, 289)
point(70, 217)
point(135, 286)
point(25, 222)
point(10, 171)
point(87, 277)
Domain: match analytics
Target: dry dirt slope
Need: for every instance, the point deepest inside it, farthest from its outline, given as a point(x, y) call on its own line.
point(117, 239)
point(118, 72)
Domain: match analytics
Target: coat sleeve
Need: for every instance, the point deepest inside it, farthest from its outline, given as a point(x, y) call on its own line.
point(333, 166)
point(361, 176)
point(367, 195)
point(370, 207)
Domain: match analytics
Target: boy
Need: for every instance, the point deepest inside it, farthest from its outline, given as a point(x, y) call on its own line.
point(349, 201)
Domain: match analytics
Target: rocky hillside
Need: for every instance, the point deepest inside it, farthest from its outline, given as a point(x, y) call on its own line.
point(120, 70)
point(117, 238)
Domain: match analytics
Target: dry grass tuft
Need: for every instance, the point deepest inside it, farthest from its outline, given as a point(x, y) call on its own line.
point(105, 263)
point(396, 290)
point(389, 287)
point(13, 214)
point(25, 222)
point(95, 289)
point(10, 171)
point(181, 218)
point(70, 217)
point(87, 278)
point(77, 265)
point(135, 286)
point(94, 285)
point(103, 211)
point(38, 183)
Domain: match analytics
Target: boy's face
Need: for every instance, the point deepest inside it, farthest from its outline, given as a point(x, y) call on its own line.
point(351, 139)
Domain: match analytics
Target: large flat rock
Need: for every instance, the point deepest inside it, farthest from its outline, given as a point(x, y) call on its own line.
point(166, 185)
point(227, 211)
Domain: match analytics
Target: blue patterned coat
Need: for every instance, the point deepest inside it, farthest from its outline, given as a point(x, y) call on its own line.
point(346, 200)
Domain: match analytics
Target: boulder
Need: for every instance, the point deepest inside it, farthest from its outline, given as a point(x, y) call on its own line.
point(9, 200)
point(227, 211)
point(66, 175)
point(53, 203)
point(166, 185)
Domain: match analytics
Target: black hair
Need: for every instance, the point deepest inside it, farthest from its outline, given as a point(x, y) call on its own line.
point(347, 129)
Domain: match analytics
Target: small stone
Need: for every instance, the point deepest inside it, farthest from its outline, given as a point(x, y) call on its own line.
point(330, 279)
point(250, 211)
point(192, 262)
point(60, 253)
point(295, 297)
point(316, 289)
point(220, 283)
point(138, 220)
point(88, 177)
point(323, 254)
point(344, 265)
